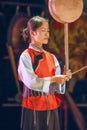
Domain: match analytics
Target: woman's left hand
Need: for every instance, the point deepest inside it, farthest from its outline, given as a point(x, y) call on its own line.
point(68, 73)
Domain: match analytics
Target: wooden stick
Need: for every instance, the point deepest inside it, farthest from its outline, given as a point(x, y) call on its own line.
point(66, 45)
point(79, 70)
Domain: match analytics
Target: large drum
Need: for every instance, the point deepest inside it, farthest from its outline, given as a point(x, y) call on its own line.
point(65, 11)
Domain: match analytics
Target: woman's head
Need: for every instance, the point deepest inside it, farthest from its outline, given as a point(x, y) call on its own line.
point(35, 22)
point(38, 29)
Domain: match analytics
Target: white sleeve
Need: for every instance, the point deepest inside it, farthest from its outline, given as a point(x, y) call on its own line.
point(58, 72)
point(28, 76)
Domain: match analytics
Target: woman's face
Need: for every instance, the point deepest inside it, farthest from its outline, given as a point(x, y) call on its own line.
point(41, 35)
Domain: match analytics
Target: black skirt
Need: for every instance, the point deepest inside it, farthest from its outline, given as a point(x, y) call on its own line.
point(39, 120)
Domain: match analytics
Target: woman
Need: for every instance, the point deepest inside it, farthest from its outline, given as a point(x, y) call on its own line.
point(40, 73)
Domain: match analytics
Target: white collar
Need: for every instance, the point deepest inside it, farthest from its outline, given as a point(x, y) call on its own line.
point(36, 48)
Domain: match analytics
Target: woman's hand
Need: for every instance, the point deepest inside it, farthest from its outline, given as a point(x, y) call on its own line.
point(61, 79)
point(67, 72)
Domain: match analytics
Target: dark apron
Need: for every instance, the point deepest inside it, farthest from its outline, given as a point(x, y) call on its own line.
point(39, 120)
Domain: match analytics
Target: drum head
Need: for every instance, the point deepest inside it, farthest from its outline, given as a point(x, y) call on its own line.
point(14, 37)
point(65, 11)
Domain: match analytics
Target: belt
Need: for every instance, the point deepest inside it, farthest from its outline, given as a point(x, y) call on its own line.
point(36, 93)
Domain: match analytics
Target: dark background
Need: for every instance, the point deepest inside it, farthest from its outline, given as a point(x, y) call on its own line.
point(10, 110)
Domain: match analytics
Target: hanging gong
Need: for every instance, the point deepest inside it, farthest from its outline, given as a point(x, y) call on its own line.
point(65, 11)
point(14, 36)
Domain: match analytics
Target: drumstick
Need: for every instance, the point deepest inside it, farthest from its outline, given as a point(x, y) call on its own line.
point(79, 70)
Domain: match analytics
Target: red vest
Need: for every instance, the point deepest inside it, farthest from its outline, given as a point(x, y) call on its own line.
point(45, 68)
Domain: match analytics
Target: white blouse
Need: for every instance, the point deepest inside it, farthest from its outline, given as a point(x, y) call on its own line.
point(31, 80)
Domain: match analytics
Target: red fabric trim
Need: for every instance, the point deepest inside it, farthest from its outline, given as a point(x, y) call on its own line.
point(41, 103)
